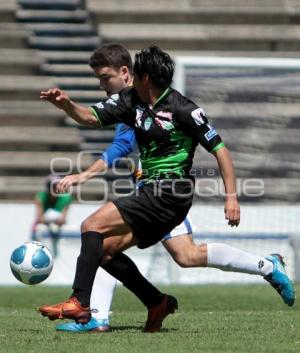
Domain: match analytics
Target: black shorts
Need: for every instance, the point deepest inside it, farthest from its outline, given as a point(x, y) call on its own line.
point(156, 208)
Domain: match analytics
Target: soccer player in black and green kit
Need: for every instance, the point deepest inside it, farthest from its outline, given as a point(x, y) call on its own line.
point(168, 127)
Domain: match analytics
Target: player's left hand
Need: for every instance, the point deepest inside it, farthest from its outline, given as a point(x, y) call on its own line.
point(232, 211)
point(64, 184)
point(57, 97)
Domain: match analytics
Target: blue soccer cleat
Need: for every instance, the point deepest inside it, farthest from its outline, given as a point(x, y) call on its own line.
point(279, 279)
point(93, 325)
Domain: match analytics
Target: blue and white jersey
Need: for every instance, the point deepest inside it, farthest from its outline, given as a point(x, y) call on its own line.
point(122, 145)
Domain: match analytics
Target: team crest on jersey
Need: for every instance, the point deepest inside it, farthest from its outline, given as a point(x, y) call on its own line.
point(199, 116)
point(147, 123)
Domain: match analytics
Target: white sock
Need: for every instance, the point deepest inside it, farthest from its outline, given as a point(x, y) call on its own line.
point(102, 294)
point(227, 258)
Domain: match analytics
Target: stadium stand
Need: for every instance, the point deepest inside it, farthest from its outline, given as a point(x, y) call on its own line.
point(200, 25)
point(48, 43)
point(27, 147)
point(261, 124)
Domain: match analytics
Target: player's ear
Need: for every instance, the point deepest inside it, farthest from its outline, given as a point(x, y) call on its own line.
point(124, 72)
point(145, 78)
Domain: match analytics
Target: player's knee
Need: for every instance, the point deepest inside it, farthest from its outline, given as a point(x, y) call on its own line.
point(192, 257)
point(85, 226)
point(91, 224)
point(109, 252)
point(107, 257)
point(110, 249)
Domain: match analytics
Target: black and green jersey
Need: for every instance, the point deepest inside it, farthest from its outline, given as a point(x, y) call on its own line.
point(167, 133)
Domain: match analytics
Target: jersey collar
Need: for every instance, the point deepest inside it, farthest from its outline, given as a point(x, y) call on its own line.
point(162, 97)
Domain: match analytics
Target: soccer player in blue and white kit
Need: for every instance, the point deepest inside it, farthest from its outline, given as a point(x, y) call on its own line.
point(113, 78)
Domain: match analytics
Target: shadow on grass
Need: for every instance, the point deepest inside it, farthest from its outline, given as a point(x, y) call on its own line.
point(138, 329)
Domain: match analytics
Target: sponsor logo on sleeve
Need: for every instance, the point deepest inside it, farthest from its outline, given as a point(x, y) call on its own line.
point(211, 133)
point(199, 116)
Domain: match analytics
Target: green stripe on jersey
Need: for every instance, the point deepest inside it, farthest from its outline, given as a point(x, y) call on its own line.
point(175, 163)
point(218, 147)
point(161, 97)
point(96, 115)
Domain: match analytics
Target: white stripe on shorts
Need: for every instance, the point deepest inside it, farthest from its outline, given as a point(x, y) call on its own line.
point(186, 227)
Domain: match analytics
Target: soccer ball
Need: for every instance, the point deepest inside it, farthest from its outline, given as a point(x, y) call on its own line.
point(31, 263)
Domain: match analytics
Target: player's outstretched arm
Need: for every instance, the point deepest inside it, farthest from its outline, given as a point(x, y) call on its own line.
point(232, 208)
point(61, 100)
point(123, 144)
point(97, 167)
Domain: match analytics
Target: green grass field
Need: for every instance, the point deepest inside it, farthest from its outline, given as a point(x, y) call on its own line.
point(214, 319)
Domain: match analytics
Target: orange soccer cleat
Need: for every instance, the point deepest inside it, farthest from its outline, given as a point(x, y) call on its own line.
point(70, 309)
point(159, 312)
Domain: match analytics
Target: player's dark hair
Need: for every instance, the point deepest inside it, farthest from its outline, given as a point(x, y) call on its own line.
point(113, 55)
point(51, 182)
point(157, 64)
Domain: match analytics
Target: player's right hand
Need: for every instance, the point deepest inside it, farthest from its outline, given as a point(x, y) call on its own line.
point(57, 97)
point(232, 211)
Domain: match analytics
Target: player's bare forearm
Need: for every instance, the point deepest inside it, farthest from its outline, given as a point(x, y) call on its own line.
point(227, 170)
point(232, 208)
point(81, 114)
point(97, 167)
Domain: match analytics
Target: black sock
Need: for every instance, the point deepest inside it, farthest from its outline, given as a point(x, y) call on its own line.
point(124, 269)
point(88, 261)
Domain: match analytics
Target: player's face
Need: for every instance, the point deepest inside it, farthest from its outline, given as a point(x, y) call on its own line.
point(112, 80)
